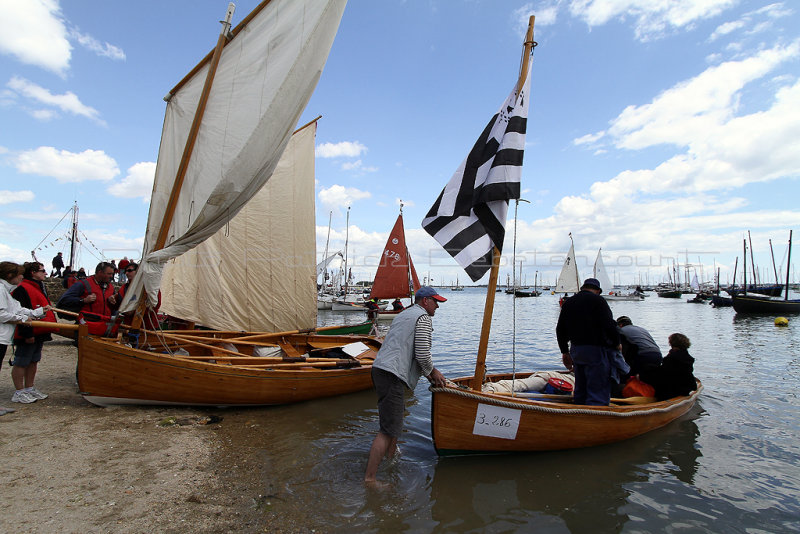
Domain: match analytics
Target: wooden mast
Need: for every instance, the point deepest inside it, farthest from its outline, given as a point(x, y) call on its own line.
point(187, 152)
point(480, 363)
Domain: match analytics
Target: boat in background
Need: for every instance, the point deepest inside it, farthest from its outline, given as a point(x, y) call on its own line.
point(757, 304)
point(568, 279)
point(600, 273)
point(396, 277)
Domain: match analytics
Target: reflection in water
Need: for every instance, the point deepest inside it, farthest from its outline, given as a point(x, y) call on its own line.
point(730, 465)
point(577, 491)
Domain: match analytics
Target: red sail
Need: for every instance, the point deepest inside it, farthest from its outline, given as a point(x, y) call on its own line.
point(391, 279)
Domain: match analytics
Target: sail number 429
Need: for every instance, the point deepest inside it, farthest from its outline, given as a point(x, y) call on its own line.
point(496, 421)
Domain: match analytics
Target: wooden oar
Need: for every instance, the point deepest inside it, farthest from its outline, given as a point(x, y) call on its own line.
point(48, 324)
point(65, 312)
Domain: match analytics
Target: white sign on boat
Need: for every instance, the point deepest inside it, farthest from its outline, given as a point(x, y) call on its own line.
point(496, 422)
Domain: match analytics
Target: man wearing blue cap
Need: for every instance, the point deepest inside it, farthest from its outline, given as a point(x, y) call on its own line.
point(404, 356)
point(587, 337)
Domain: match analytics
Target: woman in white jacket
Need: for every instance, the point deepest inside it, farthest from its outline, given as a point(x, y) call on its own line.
point(11, 311)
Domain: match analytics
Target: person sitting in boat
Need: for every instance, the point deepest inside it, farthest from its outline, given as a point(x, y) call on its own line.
point(397, 305)
point(589, 341)
point(675, 376)
point(372, 309)
point(638, 347)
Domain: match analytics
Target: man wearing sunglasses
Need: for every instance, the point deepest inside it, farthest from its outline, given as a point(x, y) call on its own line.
point(403, 358)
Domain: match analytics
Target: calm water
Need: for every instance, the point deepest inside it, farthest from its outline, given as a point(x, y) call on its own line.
point(731, 465)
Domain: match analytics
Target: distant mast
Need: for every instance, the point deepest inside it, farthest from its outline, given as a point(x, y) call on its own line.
point(74, 234)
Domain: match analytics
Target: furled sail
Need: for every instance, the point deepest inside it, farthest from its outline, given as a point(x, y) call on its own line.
point(265, 77)
point(395, 268)
point(568, 279)
point(259, 268)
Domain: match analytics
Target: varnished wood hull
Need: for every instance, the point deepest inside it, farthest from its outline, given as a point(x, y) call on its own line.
point(112, 373)
point(542, 426)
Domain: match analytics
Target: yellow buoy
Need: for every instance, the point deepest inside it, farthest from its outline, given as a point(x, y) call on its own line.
point(781, 321)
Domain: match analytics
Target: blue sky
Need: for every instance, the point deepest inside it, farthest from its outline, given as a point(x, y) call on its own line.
point(657, 129)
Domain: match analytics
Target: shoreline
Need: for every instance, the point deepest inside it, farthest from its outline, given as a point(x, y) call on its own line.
point(70, 466)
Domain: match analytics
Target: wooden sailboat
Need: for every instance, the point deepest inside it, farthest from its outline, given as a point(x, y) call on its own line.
point(601, 274)
point(396, 277)
point(466, 420)
point(227, 133)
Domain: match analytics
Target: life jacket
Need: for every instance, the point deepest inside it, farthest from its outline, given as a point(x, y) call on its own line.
point(99, 306)
point(38, 300)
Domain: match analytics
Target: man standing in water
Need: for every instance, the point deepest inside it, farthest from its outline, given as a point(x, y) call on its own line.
point(587, 336)
point(403, 358)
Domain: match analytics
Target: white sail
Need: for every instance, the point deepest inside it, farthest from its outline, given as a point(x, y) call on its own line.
point(568, 280)
point(266, 75)
point(601, 274)
point(323, 265)
point(259, 268)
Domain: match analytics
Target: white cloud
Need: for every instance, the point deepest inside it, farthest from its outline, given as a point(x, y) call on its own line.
point(68, 102)
point(337, 196)
point(726, 28)
point(546, 15)
point(653, 18)
point(692, 110)
point(588, 139)
point(67, 167)
point(34, 33)
point(138, 182)
point(346, 149)
point(101, 49)
point(9, 197)
point(357, 166)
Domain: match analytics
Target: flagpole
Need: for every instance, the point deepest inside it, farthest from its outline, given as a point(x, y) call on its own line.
point(480, 363)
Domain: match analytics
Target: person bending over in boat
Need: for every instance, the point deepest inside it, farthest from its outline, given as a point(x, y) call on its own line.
point(675, 376)
point(397, 305)
point(638, 347)
point(588, 339)
point(403, 358)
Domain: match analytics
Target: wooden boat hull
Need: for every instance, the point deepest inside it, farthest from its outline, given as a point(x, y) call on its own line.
point(468, 422)
point(754, 304)
point(112, 373)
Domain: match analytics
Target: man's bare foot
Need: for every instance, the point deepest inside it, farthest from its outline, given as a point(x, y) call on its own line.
point(377, 484)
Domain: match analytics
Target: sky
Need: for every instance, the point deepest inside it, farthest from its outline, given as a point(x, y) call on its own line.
point(659, 131)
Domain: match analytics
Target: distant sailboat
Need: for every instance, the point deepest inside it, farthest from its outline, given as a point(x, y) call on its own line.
point(569, 279)
point(396, 277)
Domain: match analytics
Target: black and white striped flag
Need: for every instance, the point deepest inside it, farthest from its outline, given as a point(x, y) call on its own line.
point(469, 217)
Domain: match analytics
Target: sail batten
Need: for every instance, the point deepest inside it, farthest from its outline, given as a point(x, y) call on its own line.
point(265, 77)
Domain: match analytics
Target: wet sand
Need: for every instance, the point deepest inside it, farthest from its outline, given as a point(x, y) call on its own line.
point(70, 466)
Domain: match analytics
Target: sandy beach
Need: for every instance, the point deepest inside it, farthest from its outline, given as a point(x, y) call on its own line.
point(69, 466)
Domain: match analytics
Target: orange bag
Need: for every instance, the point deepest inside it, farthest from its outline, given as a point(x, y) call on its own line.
point(636, 388)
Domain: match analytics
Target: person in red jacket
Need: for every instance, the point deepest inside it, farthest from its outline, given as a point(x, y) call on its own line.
point(92, 294)
point(29, 340)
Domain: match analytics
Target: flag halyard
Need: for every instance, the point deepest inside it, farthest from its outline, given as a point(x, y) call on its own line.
point(468, 219)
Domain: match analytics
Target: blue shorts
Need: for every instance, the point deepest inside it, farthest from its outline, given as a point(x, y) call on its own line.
point(27, 353)
point(391, 401)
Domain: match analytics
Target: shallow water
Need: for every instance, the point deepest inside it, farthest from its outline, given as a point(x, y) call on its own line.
point(731, 465)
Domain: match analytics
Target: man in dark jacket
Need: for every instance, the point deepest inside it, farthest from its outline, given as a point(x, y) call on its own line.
point(587, 337)
point(58, 264)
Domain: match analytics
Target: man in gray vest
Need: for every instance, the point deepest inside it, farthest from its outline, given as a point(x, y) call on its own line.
point(403, 358)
